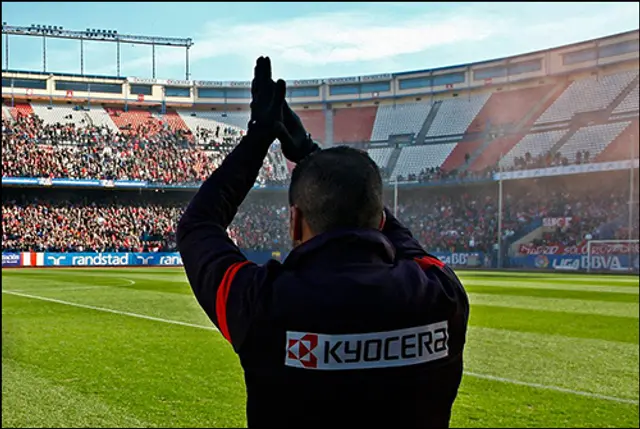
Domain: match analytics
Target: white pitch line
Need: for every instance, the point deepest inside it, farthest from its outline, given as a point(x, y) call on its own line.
point(65, 289)
point(554, 388)
point(213, 328)
point(109, 310)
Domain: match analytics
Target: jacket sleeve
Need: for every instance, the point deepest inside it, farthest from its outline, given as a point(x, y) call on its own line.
point(224, 282)
point(407, 247)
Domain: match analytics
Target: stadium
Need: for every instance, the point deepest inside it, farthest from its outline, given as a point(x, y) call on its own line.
point(520, 172)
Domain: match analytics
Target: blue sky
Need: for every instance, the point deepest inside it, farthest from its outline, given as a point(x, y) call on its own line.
point(307, 40)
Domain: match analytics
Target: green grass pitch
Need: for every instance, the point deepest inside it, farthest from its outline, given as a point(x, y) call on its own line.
point(132, 348)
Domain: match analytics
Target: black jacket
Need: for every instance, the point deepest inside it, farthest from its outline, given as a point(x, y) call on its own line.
point(355, 328)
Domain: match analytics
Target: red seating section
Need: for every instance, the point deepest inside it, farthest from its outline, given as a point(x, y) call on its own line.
point(353, 125)
point(133, 118)
point(175, 121)
point(620, 149)
point(508, 107)
point(456, 157)
point(22, 108)
point(314, 123)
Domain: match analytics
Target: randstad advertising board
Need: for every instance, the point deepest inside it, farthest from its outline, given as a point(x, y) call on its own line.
point(86, 259)
point(173, 259)
point(111, 259)
point(129, 259)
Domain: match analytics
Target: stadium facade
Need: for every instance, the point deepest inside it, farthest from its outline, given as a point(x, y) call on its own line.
point(567, 113)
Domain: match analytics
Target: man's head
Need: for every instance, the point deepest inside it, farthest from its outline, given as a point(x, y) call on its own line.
point(336, 188)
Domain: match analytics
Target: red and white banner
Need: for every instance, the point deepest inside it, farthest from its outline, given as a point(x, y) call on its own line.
point(32, 259)
point(581, 249)
point(559, 222)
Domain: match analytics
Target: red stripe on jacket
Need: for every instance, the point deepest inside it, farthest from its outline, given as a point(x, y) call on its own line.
point(223, 295)
point(428, 262)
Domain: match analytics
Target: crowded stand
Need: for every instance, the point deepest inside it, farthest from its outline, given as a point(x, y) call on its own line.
point(32, 148)
point(456, 219)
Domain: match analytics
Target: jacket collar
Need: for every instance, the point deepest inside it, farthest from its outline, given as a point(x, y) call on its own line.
point(343, 246)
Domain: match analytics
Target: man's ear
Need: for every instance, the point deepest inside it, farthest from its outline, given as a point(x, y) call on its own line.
point(383, 220)
point(296, 223)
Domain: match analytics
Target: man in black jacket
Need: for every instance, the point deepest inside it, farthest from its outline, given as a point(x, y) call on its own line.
point(359, 326)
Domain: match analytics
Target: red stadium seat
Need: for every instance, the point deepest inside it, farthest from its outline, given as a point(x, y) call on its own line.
point(353, 125)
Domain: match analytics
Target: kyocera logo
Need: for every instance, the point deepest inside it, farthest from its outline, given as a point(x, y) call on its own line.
point(145, 260)
point(57, 260)
point(100, 259)
point(171, 260)
point(373, 350)
point(301, 349)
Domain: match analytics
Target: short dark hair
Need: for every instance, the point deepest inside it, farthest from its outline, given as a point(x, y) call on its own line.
point(335, 188)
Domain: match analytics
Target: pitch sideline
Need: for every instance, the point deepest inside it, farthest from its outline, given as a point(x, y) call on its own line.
point(213, 328)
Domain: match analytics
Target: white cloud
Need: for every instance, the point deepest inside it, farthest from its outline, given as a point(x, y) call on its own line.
point(330, 38)
point(333, 39)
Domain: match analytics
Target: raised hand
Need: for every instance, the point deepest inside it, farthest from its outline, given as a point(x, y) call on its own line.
point(267, 99)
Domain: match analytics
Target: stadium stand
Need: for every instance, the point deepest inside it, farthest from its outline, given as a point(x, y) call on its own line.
point(593, 139)
point(314, 123)
point(587, 95)
point(456, 115)
point(20, 108)
point(535, 144)
point(494, 151)
point(623, 146)
point(149, 152)
point(134, 119)
point(381, 155)
point(451, 219)
point(630, 103)
point(457, 156)
point(61, 114)
point(354, 124)
point(99, 117)
point(234, 119)
point(415, 159)
point(399, 119)
point(173, 120)
point(508, 107)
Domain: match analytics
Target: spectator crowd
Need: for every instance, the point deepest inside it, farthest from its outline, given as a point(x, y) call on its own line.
point(147, 152)
point(462, 218)
point(458, 220)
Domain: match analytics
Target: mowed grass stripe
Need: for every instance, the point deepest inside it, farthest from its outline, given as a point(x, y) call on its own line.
point(183, 380)
point(490, 403)
point(29, 400)
point(559, 276)
point(609, 328)
point(554, 293)
point(49, 281)
point(624, 353)
point(168, 374)
point(581, 364)
point(142, 297)
point(565, 305)
point(551, 286)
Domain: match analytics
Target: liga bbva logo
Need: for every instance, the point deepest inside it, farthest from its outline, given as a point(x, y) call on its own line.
point(402, 347)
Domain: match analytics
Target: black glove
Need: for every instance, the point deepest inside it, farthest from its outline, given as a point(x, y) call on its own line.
point(295, 142)
point(267, 99)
